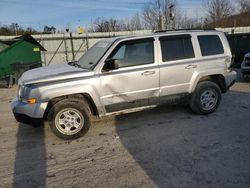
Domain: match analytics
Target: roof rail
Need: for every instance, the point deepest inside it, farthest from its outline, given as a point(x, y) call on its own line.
point(197, 29)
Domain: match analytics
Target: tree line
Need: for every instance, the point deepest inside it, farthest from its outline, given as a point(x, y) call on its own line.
point(168, 14)
point(15, 29)
point(155, 15)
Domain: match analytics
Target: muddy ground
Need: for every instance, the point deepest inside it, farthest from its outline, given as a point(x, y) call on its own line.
point(161, 147)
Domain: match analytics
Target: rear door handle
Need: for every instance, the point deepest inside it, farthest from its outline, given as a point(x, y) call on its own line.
point(191, 67)
point(147, 73)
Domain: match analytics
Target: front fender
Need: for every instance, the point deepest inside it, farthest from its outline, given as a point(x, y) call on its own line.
point(48, 93)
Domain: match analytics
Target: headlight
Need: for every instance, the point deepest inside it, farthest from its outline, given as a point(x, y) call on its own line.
point(29, 101)
point(23, 91)
point(19, 91)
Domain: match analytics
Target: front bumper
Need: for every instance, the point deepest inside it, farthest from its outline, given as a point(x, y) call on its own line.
point(22, 118)
point(28, 113)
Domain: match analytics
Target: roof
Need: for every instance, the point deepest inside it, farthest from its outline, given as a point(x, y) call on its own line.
point(27, 38)
point(30, 39)
point(166, 32)
point(8, 42)
point(185, 30)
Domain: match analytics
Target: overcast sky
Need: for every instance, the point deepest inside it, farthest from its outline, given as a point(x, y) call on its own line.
point(61, 13)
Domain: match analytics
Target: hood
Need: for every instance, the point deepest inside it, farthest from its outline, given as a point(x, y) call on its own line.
point(247, 55)
point(52, 73)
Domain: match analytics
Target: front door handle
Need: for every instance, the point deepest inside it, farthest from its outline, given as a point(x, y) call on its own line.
point(147, 73)
point(191, 67)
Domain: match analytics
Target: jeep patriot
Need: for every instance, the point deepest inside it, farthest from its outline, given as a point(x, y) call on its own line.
point(123, 74)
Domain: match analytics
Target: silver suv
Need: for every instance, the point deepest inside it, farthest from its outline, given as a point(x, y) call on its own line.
point(124, 74)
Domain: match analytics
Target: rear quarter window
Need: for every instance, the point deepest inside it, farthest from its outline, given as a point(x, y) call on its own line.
point(210, 45)
point(176, 47)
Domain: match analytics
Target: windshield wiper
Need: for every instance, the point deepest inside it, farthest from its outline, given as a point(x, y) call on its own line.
point(75, 64)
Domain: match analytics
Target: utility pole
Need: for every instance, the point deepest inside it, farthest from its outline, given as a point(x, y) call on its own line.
point(172, 16)
point(202, 24)
point(16, 26)
point(72, 46)
point(163, 22)
point(65, 45)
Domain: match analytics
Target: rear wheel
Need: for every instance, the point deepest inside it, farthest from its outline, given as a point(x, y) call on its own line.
point(206, 98)
point(70, 119)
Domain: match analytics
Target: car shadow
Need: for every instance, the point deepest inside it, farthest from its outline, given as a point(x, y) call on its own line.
point(177, 148)
point(30, 162)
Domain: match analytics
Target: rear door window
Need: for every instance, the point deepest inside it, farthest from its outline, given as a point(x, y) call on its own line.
point(210, 45)
point(176, 47)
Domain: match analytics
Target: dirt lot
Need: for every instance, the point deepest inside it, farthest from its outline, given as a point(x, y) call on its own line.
point(161, 147)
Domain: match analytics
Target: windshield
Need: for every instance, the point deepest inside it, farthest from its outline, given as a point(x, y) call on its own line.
point(94, 54)
point(247, 59)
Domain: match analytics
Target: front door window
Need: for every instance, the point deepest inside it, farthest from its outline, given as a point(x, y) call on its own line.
point(138, 52)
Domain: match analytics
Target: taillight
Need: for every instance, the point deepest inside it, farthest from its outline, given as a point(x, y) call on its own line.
point(228, 61)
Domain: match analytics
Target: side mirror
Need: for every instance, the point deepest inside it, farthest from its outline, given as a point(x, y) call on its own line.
point(111, 64)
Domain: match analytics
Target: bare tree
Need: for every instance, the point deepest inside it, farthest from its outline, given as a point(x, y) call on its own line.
point(112, 25)
point(124, 24)
point(99, 25)
point(103, 25)
point(14, 29)
point(49, 30)
point(185, 22)
point(244, 5)
point(218, 9)
point(156, 13)
point(135, 22)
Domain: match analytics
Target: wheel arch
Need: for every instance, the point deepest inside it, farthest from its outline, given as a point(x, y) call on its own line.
point(216, 78)
point(78, 96)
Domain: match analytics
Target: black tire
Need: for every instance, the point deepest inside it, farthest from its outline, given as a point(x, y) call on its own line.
point(206, 98)
point(73, 107)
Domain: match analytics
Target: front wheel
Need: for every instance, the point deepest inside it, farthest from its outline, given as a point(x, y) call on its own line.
point(206, 98)
point(69, 119)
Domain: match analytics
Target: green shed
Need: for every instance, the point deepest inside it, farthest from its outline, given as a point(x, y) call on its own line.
point(23, 51)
